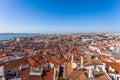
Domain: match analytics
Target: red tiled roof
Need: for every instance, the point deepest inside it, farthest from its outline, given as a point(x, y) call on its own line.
point(77, 75)
point(3, 56)
point(53, 60)
point(24, 74)
point(32, 62)
point(100, 75)
point(115, 66)
point(48, 75)
point(26, 50)
point(18, 62)
point(91, 62)
point(15, 63)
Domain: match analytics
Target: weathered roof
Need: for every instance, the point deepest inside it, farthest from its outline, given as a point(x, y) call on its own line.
point(24, 75)
point(90, 62)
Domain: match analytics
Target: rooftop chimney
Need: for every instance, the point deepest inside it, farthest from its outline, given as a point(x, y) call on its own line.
point(72, 58)
point(104, 66)
point(90, 73)
point(2, 74)
point(54, 78)
point(2, 71)
point(81, 65)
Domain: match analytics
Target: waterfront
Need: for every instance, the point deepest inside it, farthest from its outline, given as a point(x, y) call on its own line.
point(7, 36)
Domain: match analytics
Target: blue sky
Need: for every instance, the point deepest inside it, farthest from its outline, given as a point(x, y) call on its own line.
point(59, 16)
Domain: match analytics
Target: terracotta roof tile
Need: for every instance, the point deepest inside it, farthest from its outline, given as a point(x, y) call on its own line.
point(48, 75)
point(15, 63)
point(24, 74)
point(115, 66)
point(89, 62)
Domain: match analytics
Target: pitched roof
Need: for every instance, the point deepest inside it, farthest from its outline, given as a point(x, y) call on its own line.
point(115, 66)
point(24, 75)
point(89, 62)
point(15, 63)
point(76, 75)
point(32, 62)
point(100, 75)
point(54, 60)
point(48, 75)
point(18, 62)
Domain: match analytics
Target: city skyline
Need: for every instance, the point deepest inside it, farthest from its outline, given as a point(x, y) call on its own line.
point(59, 16)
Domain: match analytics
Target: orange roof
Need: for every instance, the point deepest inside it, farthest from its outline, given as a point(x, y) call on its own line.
point(91, 62)
point(53, 60)
point(32, 62)
point(68, 68)
point(77, 75)
point(24, 74)
point(103, 51)
point(48, 75)
point(115, 66)
point(15, 63)
point(100, 75)
point(26, 50)
point(18, 62)
point(36, 60)
point(3, 56)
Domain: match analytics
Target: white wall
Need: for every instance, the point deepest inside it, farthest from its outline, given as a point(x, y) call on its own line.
point(2, 71)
